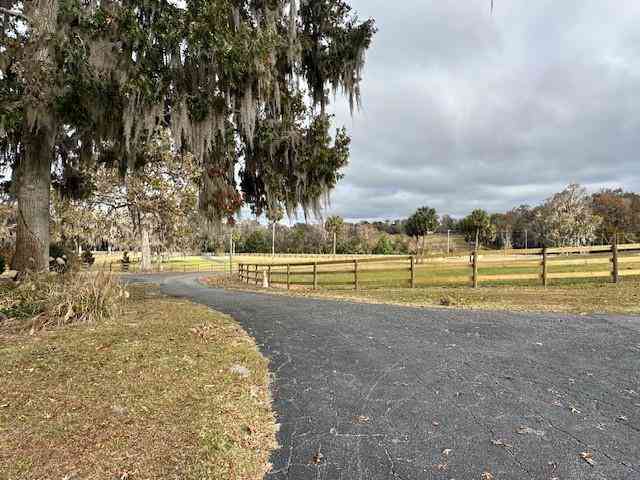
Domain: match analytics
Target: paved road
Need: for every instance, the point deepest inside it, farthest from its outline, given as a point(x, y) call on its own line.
point(384, 392)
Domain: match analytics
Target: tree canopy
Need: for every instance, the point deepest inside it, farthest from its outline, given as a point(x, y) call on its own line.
point(241, 84)
point(567, 218)
point(478, 221)
point(422, 222)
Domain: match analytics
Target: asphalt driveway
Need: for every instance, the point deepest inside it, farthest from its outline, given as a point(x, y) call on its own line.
point(383, 392)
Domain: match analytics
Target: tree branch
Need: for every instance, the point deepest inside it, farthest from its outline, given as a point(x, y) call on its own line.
point(13, 13)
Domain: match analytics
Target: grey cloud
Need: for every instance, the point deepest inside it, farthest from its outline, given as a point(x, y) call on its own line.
point(462, 109)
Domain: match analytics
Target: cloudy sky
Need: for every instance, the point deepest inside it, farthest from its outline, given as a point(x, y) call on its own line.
point(464, 109)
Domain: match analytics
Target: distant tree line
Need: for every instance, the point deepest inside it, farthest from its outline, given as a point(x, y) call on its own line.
point(107, 220)
point(568, 218)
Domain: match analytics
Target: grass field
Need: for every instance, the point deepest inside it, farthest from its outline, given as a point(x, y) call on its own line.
point(391, 274)
point(570, 296)
point(448, 272)
point(447, 282)
point(161, 392)
point(197, 263)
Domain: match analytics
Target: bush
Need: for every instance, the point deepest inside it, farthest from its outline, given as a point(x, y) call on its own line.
point(61, 259)
point(88, 258)
point(384, 246)
point(45, 300)
point(6, 252)
point(56, 250)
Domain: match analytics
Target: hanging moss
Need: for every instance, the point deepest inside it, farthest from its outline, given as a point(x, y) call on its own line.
point(228, 77)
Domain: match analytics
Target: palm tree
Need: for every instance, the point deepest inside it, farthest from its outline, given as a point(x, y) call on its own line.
point(334, 225)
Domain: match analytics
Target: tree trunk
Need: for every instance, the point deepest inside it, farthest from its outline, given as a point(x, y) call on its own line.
point(33, 184)
point(335, 242)
point(145, 262)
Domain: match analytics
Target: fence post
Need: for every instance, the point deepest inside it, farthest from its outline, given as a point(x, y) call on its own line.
point(288, 276)
point(315, 276)
point(355, 274)
point(269, 276)
point(545, 268)
point(615, 273)
point(475, 268)
point(413, 272)
point(257, 281)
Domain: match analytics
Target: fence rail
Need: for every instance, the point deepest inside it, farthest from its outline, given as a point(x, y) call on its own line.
point(539, 265)
point(136, 267)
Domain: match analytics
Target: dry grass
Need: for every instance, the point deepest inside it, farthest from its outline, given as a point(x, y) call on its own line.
point(52, 300)
point(150, 394)
point(580, 297)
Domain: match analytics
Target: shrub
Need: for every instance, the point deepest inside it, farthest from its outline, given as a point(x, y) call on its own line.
point(61, 259)
point(56, 250)
point(384, 246)
point(88, 258)
point(45, 300)
point(6, 251)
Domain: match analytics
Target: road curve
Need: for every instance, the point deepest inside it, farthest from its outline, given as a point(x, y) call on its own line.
point(384, 392)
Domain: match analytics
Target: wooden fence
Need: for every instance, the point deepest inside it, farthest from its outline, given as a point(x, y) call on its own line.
point(135, 267)
point(289, 274)
point(533, 265)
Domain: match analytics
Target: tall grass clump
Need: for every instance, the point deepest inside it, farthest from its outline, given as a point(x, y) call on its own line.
point(53, 300)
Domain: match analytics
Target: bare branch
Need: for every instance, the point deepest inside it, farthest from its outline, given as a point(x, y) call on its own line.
point(13, 13)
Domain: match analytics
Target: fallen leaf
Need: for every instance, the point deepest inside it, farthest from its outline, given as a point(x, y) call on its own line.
point(362, 419)
point(523, 430)
point(440, 467)
point(240, 370)
point(500, 443)
point(588, 457)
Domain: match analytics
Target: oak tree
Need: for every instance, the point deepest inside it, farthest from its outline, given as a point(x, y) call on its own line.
point(242, 84)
